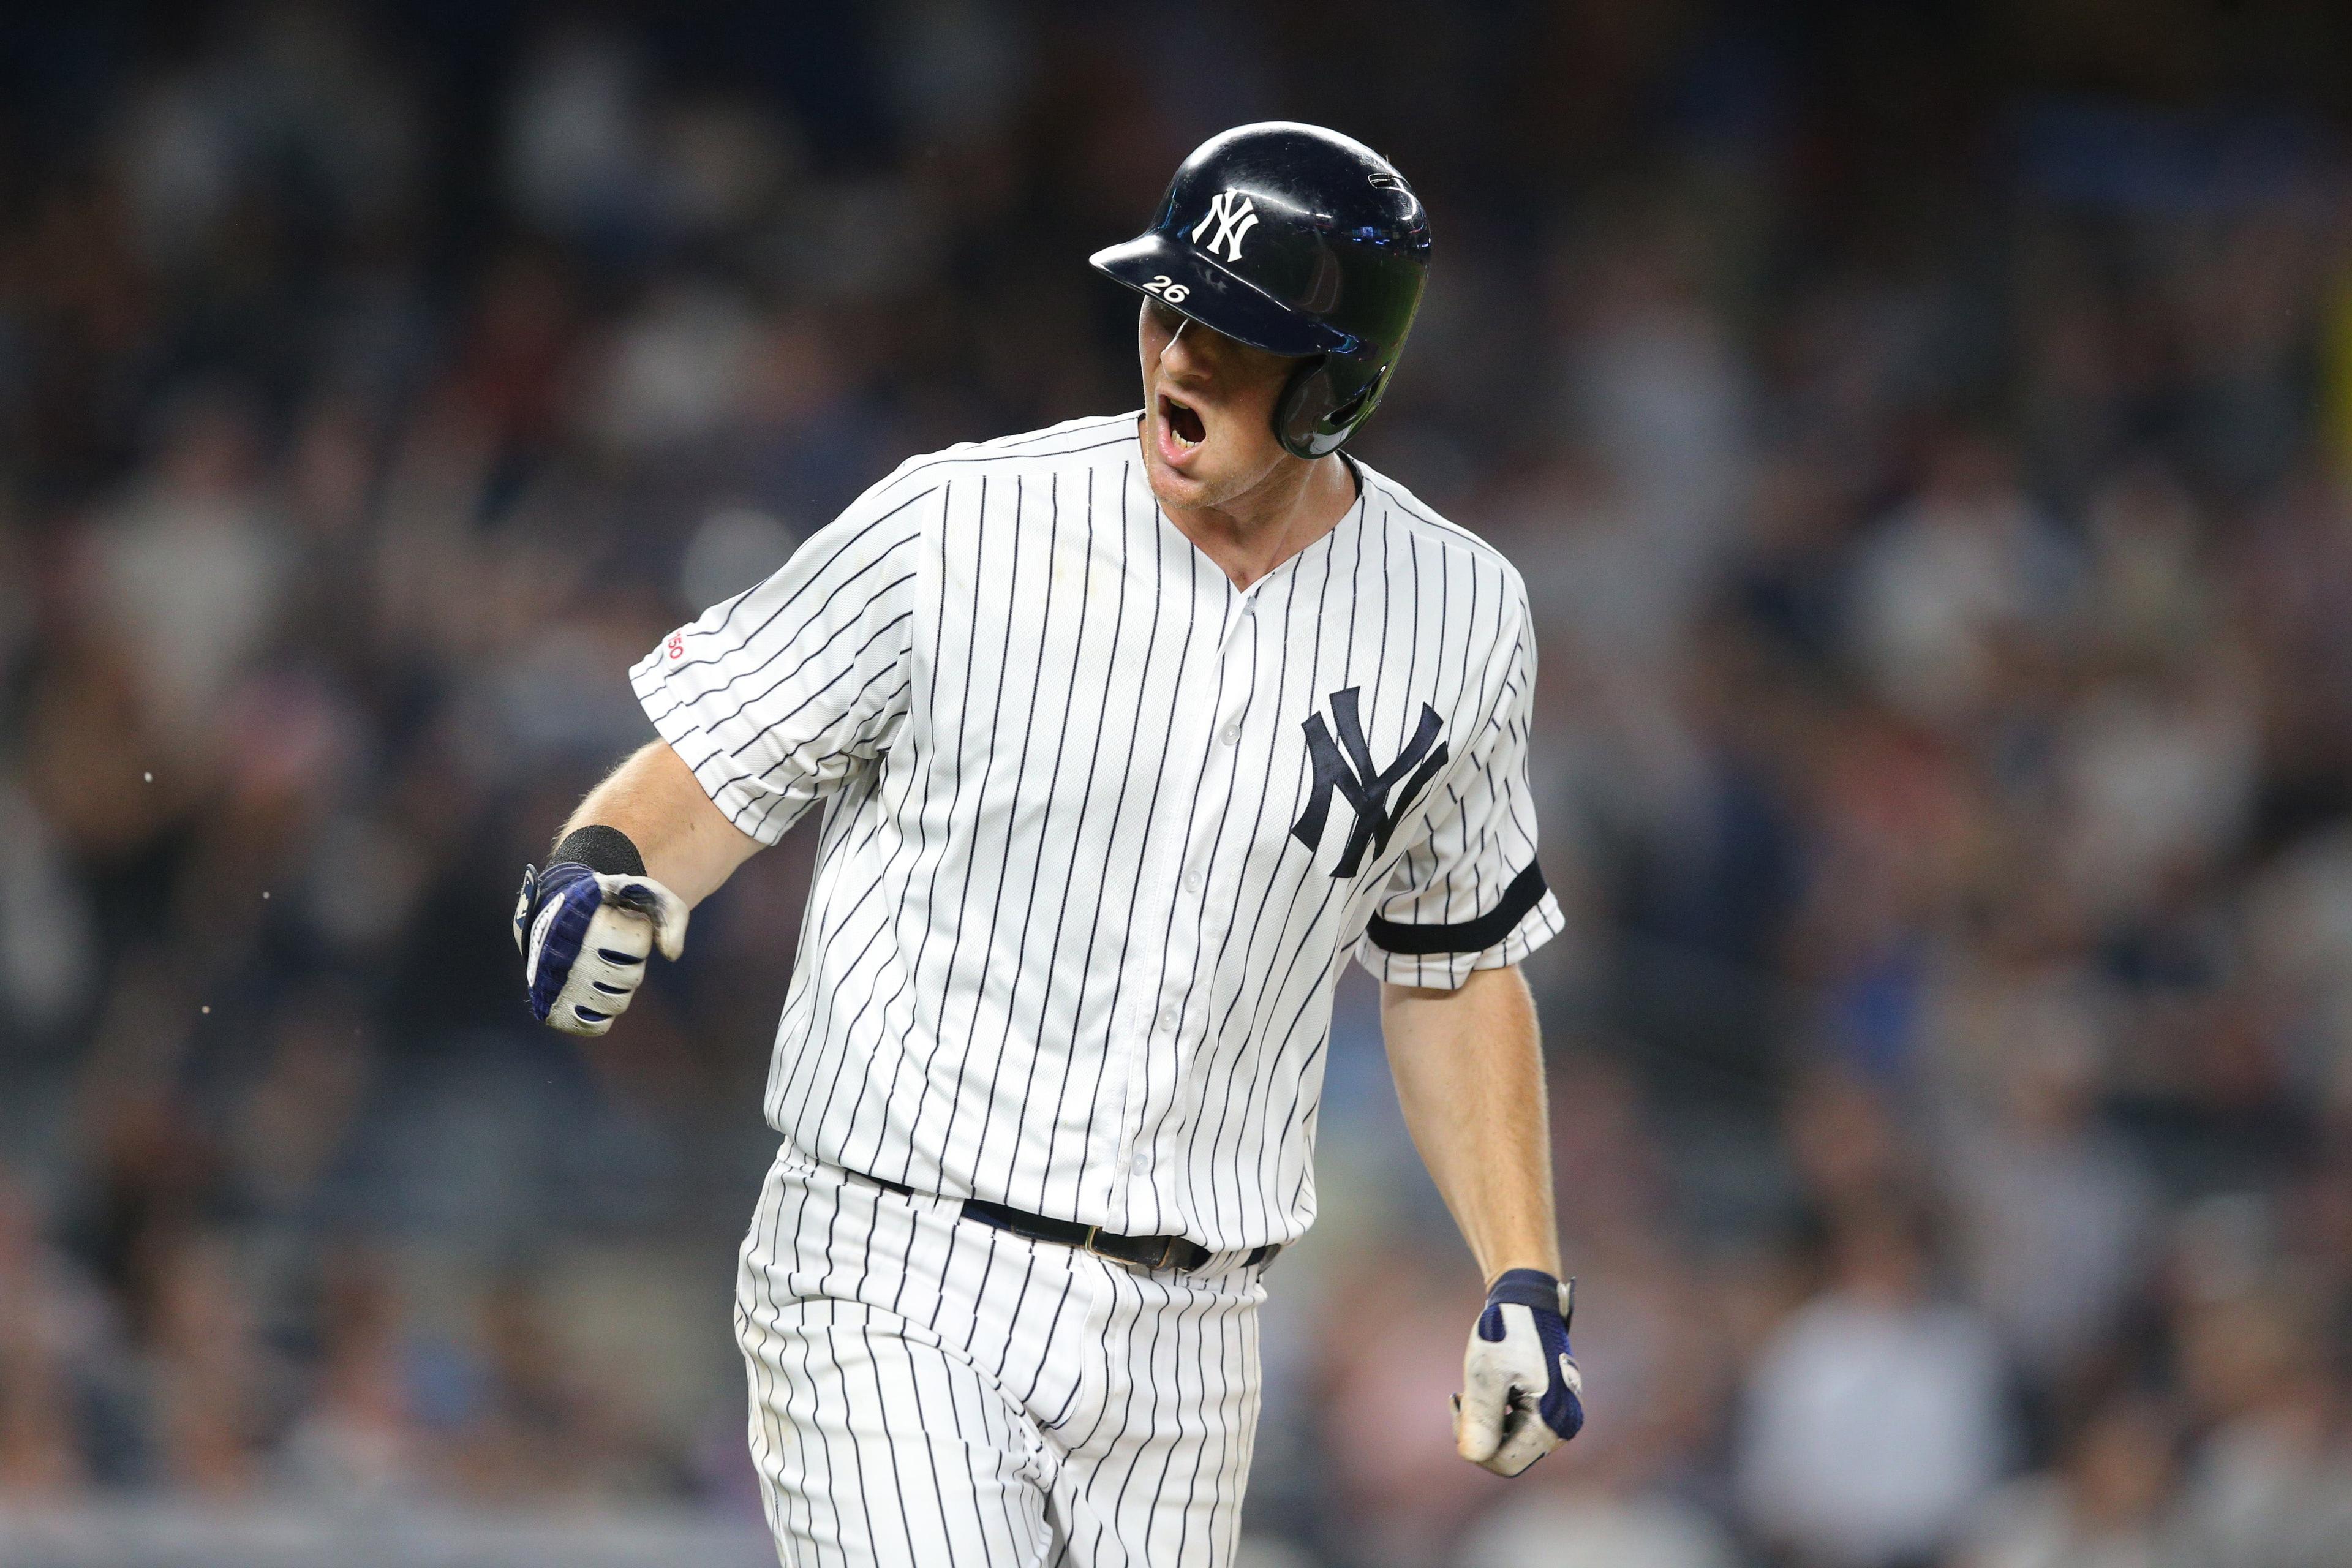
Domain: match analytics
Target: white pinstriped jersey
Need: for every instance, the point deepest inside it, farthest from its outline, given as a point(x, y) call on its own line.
point(1100, 829)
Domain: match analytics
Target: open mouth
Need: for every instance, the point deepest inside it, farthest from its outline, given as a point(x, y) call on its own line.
point(1182, 423)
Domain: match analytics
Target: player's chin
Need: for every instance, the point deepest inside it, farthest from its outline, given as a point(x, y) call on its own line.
point(1180, 484)
point(1189, 489)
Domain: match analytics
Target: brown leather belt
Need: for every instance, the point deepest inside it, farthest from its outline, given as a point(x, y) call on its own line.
point(1149, 1253)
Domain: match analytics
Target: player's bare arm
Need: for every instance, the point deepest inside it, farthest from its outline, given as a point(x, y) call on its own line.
point(686, 842)
point(1469, 1073)
point(1468, 1064)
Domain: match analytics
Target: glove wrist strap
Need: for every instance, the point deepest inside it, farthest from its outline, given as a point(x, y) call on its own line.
point(604, 851)
point(1525, 1287)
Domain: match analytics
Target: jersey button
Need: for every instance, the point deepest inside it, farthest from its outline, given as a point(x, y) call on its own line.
point(1168, 1020)
point(1231, 735)
point(1194, 881)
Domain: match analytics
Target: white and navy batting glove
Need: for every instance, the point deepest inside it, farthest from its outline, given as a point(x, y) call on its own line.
point(584, 938)
point(1521, 1394)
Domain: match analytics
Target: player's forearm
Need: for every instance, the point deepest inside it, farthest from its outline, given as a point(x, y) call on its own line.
point(688, 845)
point(1469, 1073)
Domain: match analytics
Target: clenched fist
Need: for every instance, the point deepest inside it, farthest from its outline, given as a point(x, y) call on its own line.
point(584, 939)
point(1521, 1394)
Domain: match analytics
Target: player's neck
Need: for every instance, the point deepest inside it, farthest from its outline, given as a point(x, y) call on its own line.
point(1257, 530)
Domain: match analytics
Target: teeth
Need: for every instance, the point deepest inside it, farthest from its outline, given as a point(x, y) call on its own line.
point(1177, 434)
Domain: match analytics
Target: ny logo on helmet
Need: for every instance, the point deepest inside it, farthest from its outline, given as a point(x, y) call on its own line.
point(1366, 786)
point(1233, 213)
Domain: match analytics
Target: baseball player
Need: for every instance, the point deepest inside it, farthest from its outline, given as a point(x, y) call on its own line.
point(1128, 733)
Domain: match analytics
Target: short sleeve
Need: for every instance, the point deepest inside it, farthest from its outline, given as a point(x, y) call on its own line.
point(776, 696)
point(1470, 895)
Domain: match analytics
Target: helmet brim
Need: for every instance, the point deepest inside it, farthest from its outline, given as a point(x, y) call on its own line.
point(1217, 299)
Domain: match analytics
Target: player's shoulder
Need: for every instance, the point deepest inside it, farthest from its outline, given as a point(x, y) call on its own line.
point(1412, 524)
point(1073, 442)
point(918, 493)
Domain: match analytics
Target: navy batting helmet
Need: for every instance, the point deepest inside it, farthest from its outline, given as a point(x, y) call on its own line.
point(1299, 241)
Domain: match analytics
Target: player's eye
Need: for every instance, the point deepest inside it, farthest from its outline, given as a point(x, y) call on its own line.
point(1164, 316)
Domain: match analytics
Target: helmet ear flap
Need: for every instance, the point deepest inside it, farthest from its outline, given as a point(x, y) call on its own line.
point(1305, 405)
point(1315, 414)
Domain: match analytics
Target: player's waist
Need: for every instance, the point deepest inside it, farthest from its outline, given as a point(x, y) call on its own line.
point(1150, 1254)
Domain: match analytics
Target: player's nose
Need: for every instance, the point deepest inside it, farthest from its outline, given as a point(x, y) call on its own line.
point(1190, 353)
point(1177, 355)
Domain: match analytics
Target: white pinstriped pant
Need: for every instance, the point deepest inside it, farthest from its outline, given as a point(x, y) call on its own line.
point(929, 1390)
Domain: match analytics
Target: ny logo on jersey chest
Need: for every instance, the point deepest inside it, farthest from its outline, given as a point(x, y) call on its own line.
point(1234, 213)
point(1346, 766)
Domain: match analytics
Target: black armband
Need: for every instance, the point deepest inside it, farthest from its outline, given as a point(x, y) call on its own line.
point(604, 851)
point(1525, 892)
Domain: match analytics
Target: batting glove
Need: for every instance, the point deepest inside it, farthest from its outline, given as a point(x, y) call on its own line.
point(1521, 1394)
point(584, 938)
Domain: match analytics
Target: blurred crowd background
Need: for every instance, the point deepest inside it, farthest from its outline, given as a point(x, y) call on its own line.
point(1924, 429)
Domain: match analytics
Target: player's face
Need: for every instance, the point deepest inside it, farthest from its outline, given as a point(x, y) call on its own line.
point(1208, 428)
